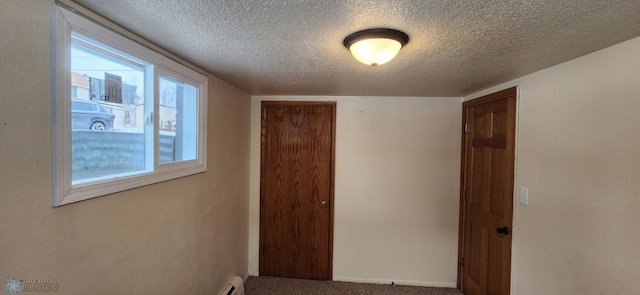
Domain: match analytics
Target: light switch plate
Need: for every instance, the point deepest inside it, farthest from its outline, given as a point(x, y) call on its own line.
point(524, 195)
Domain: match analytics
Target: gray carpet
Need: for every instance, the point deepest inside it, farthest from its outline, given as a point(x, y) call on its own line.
point(286, 286)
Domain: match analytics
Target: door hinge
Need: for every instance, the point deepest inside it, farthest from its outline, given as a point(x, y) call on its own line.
point(462, 261)
point(466, 127)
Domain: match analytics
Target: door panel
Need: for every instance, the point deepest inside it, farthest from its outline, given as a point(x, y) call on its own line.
point(296, 189)
point(494, 263)
point(487, 183)
point(474, 256)
point(497, 186)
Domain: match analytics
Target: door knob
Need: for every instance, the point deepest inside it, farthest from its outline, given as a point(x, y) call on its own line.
point(323, 204)
point(503, 230)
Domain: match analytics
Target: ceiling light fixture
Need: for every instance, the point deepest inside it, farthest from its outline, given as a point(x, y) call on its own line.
point(375, 46)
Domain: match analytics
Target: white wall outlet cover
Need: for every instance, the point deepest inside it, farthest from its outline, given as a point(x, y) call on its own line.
point(524, 195)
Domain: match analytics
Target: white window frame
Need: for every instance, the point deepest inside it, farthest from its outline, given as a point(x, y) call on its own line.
point(63, 190)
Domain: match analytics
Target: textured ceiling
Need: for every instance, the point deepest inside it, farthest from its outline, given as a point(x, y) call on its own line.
point(294, 47)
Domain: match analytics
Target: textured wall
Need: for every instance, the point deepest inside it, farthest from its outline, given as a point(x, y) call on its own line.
point(184, 236)
point(396, 190)
point(579, 154)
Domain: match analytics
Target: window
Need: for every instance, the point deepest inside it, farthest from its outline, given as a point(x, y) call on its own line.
point(124, 116)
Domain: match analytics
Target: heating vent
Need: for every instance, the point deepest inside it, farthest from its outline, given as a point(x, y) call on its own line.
point(235, 287)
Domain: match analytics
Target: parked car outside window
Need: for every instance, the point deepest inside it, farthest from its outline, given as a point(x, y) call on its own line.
point(88, 115)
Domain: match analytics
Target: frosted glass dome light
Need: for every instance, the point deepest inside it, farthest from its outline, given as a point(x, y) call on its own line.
point(375, 46)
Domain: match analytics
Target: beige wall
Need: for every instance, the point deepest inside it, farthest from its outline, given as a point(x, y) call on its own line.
point(396, 190)
point(185, 236)
point(579, 154)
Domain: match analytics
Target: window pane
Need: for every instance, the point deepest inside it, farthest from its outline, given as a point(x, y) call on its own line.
point(106, 113)
point(178, 121)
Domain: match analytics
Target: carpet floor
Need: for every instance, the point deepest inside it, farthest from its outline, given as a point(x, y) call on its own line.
point(286, 286)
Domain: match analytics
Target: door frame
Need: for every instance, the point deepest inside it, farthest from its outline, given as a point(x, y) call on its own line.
point(506, 93)
point(263, 114)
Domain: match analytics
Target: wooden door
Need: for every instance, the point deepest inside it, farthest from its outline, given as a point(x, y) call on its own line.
point(296, 189)
point(487, 194)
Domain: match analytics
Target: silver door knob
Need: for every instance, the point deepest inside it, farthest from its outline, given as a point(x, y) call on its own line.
point(323, 204)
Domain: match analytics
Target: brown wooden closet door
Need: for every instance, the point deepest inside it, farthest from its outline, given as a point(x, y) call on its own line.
point(296, 189)
point(488, 208)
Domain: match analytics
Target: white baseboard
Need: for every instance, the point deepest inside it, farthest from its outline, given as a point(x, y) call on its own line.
point(253, 274)
point(397, 282)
